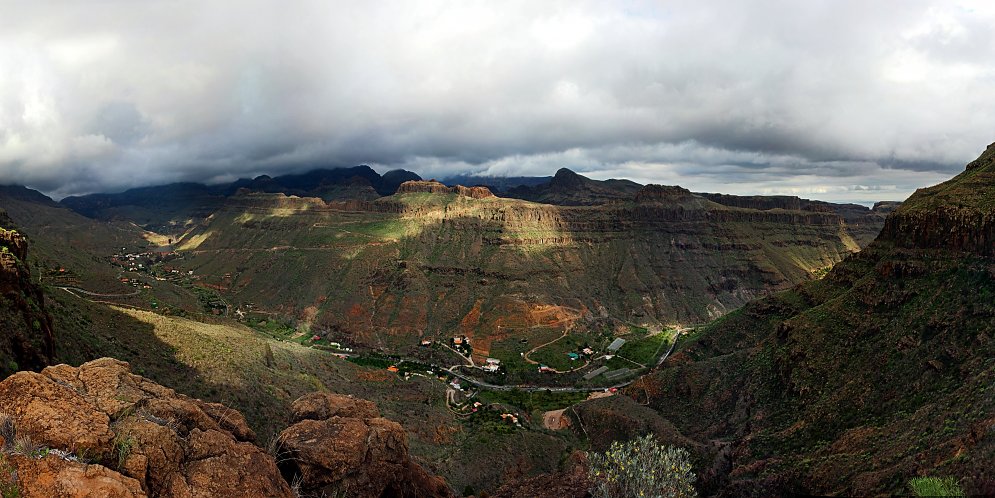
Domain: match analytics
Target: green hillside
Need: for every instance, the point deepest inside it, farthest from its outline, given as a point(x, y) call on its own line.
point(418, 264)
point(880, 372)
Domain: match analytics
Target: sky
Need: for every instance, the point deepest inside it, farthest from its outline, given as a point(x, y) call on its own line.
point(835, 100)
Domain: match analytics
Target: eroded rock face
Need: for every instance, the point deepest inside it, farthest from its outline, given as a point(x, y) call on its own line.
point(340, 444)
point(134, 435)
point(434, 187)
point(26, 340)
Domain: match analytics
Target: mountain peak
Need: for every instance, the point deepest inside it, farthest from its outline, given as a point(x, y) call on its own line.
point(565, 178)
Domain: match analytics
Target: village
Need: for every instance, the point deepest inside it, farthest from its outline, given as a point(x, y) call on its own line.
point(477, 387)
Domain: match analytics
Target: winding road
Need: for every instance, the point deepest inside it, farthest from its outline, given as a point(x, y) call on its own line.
point(527, 388)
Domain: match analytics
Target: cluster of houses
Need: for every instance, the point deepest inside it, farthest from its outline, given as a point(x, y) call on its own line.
point(585, 352)
point(461, 343)
point(491, 365)
point(144, 262)
point(62, 277)
point(134, 282)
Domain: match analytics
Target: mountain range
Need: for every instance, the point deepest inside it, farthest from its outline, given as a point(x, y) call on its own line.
point(827, 348)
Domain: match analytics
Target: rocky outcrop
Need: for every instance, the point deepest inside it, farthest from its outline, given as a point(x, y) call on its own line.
point(339, 444)
point(99, 430)
point(434, 187)
point(55, 475)
point(886, 207)
point(958, 214)
point(662, 194)
point(26, 339)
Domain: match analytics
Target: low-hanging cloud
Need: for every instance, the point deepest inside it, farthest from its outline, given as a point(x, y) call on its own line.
point(835, 100)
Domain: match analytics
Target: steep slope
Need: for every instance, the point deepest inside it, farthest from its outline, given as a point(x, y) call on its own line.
point(853, 384)
point(64, 240)
point(432, 260)
point(26, 340)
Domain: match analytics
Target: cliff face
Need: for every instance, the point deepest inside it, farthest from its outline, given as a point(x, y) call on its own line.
point(860, 381)
point(99, 430)
point(956, 215)
point(26, 339)
point(434, 187)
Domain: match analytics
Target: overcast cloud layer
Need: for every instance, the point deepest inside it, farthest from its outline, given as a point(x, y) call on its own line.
point(831, 100)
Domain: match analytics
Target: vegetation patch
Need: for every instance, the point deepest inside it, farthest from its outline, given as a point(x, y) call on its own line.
point(647, 349)
point(641, 467)
point(533, 401)
point(935, 486)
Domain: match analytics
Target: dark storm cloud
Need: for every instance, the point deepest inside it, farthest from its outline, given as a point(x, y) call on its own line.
point(835, 100)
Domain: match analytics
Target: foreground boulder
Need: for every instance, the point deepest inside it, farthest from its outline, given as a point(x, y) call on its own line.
point(99, 430)
point(339, 444)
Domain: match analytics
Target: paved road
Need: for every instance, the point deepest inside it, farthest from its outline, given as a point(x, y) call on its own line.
point(97, 294)
point(526, 388)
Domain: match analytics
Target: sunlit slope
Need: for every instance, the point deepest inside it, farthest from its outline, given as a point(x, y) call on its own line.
point(432, 263)
point(229, 363)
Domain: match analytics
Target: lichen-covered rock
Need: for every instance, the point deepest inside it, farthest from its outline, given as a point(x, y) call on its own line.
point(341, 444)
point(54, 414)
point(169, 444)
point(56, 477)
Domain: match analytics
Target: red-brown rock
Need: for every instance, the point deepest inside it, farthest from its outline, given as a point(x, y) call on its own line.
point(167, 444)
point(340, 444)
point(55, 477)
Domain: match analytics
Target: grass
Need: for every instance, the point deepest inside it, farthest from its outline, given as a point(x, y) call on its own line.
point(935, 486)
point(539, 401)
point(555, 354)
point(123, 444)
point(647, 349)
point(9, 487)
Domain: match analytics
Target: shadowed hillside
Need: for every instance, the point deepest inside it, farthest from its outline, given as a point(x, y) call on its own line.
point(855, 383)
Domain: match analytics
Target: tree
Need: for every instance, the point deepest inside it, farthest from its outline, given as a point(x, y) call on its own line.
point(641, 467)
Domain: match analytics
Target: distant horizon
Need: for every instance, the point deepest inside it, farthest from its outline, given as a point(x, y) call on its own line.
point(447, 178)
point(837, 101)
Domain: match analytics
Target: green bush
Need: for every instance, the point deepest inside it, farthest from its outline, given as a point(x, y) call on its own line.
point(641, 467)
point(935, 486)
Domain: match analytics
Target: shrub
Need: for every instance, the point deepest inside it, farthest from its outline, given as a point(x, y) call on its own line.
point(7, 431)
point(641, 467)
point(935, 486)
point(9, 486)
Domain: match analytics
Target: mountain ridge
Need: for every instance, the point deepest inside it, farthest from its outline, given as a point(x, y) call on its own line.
point(857, 382)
